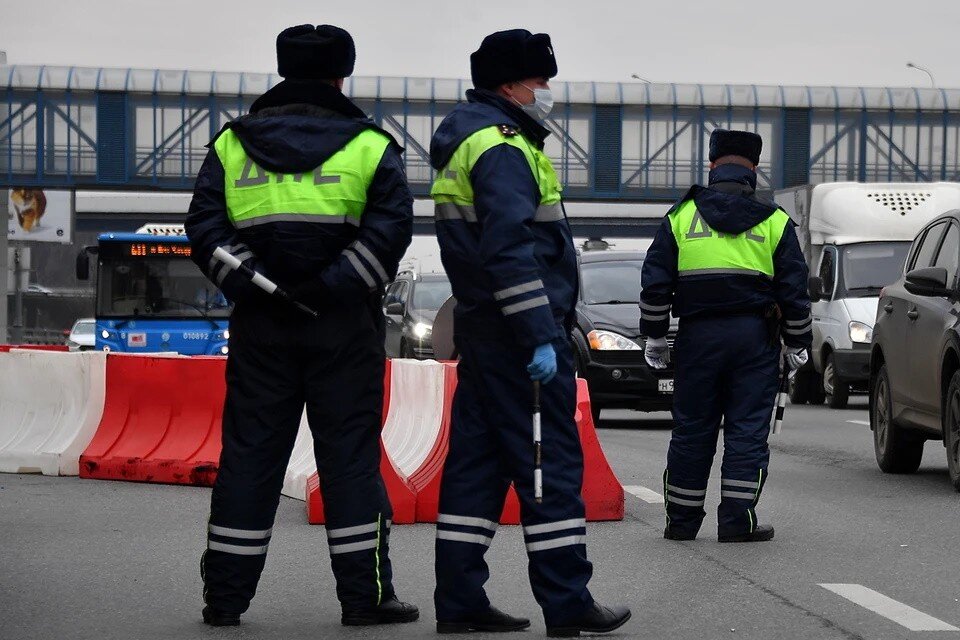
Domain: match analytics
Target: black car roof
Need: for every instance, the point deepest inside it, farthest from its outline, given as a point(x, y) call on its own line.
point(606, 255)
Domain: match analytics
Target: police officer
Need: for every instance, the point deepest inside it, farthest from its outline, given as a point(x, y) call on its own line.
point(729, 266)
point(507, 248)
point(311, 193)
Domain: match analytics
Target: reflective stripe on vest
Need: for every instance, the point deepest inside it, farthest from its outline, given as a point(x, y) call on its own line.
point(334, 193)
point(703, 251)
point(453, 193)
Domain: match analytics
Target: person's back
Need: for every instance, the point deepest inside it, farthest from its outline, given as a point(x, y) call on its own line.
point(729, 266)
point(310, 193)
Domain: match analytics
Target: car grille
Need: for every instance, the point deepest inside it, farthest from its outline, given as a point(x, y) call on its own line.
point(423, 353)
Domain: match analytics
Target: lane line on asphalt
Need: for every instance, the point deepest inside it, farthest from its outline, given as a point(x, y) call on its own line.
point(865, 423)
point(889, 608)
point(647, 495)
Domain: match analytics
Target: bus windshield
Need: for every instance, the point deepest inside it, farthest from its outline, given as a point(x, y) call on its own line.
point(156, 287)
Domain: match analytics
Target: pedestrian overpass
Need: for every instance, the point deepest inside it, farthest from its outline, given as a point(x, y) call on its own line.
point(145, 130)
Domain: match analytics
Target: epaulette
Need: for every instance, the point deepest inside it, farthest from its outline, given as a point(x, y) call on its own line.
point(508, 131)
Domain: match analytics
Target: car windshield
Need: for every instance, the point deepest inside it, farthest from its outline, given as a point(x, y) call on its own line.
point(84, 328)
point(870, 266)
point(611, 282)
point(157, 287)
point(430, 294)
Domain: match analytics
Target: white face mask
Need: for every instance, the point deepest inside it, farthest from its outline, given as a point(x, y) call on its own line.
point(542, 103)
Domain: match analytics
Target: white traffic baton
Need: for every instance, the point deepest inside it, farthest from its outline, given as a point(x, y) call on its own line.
point(537, 450)
point(259, 279)
point(782, 393)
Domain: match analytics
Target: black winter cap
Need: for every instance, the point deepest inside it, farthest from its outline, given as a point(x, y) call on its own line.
point(323, 52)
point(508, 56)
point(745, 144)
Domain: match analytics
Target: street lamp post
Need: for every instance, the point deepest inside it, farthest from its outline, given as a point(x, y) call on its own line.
point(910, 65)
point(636, 77)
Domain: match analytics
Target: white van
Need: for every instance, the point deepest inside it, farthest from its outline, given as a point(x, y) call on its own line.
point(855, 237)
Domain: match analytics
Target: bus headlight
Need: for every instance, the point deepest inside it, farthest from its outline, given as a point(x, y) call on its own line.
point(861, 333)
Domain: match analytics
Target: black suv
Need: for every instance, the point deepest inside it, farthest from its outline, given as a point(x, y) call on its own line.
point(607, 340)
point(915, 356)
point(410, 305)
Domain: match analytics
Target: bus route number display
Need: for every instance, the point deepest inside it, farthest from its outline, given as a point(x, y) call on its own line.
point(152, 249)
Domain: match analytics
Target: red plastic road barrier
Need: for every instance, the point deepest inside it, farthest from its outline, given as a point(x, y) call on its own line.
point(602, 493)
point(4, 348)
point(161, 421)
point(402, 497)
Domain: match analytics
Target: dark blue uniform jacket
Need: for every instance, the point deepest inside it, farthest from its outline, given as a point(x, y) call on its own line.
point(294, 128)
point(505, 249)
point(728, 205)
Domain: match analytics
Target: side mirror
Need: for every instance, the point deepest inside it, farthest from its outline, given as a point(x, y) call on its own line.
point(815, 289)
point(83, 266)
point(930, 282)
point(394, 309)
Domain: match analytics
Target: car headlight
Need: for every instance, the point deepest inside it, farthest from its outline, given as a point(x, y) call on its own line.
point(226, 334)
point(105, 334)
point(224, 350)
point(609, 341)
point(421, 330)
point(861, 333)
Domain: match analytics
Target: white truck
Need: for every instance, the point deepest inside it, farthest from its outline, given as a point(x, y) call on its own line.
point(855, 237)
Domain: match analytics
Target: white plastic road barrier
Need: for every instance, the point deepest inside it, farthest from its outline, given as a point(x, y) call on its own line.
point(50, 407)
point(415, 413)
point(302, 464)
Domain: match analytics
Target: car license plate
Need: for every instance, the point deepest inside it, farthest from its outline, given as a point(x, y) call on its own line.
point(665, 386)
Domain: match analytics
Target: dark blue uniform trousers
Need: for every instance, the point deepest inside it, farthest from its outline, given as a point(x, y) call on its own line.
point(726, 370)
point(335, 367)
point(491, 444)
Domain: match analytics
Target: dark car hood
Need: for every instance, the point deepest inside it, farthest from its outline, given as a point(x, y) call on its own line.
point(622, 318)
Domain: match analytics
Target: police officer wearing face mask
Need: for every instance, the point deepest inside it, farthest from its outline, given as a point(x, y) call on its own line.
point(730, 267)
point(507, 248)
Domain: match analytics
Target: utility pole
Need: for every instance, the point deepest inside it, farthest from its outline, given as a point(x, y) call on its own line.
point(4, 267)
point(16, 329)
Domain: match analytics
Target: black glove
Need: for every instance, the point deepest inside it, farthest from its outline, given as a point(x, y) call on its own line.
point(312, 293)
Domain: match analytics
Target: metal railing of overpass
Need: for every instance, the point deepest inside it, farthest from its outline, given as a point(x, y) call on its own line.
point(146, 129)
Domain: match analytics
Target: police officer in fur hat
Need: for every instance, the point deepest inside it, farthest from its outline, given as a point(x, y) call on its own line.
point(507, 248)
point(308, 191)
point(727, 263)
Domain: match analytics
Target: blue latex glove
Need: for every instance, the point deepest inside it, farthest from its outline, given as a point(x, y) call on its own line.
point(543, 367)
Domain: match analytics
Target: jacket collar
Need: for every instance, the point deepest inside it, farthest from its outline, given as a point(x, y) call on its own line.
point(733, 179)
point(529, 126)
point(317, 94)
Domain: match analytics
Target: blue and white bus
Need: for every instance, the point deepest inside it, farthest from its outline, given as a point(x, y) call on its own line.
point(151, 297)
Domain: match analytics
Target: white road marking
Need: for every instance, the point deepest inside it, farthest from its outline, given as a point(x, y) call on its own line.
point(889, 608)
point(865, 423)
point(647, 495)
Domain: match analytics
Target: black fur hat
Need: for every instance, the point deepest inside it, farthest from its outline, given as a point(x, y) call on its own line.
point(323, 52)
point(508, 56)
point(745, 144)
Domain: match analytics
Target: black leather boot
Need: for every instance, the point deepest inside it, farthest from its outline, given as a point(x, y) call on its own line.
point(596, 619)
point(216, 618)
point(390, 611)
point(492, 620)
point(761, 534)
point(670, 534)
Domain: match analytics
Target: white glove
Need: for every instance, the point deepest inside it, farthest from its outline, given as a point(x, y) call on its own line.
point(657, 353)
point(795, 357)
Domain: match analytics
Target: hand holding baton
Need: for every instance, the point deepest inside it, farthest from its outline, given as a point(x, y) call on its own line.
point(782, 392)
point(537, 451)
point(259, 279)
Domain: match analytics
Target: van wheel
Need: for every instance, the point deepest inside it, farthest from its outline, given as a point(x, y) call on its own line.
point(817, 396)
point(836, 392)
point(800, 387)
point(897, 450)
point(951, 429)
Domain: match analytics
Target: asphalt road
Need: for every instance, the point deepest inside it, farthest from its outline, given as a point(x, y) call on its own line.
point(91, 559)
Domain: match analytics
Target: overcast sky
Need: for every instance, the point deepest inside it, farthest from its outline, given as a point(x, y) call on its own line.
point(842, 42)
